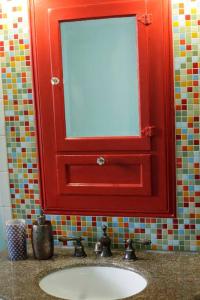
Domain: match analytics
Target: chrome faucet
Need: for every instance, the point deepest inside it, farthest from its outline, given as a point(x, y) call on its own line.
point(79, 249)
point(130, 250)
point(102, 247)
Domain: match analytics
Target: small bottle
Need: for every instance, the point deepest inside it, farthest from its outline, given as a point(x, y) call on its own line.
point(42, 238)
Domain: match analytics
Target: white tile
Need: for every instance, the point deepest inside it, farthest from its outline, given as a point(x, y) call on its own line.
point(3, 231)
point(7, 214)
point(4, 189)
point(2, 119)
point(3, 155)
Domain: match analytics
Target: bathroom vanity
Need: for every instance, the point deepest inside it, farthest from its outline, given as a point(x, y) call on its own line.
point(170, 275)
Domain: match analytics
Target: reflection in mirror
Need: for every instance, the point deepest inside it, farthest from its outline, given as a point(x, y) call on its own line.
point(100, 73)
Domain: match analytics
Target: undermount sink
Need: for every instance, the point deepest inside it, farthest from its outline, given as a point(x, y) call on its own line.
point(93, 283)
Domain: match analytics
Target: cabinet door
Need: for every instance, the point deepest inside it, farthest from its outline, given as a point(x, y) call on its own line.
point(99, 57)
point(104, 99)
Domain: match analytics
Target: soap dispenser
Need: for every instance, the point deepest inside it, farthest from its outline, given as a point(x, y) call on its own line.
point(42, 238)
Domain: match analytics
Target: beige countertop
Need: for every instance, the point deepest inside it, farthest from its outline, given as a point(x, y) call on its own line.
point(170, 275)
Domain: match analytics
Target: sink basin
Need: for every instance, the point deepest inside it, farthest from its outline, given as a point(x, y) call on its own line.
point(93, 283)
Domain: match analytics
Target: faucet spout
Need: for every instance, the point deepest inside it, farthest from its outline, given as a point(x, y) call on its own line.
point(102, 247)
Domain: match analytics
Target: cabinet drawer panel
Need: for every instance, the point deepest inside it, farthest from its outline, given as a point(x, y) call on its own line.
point(118, 175)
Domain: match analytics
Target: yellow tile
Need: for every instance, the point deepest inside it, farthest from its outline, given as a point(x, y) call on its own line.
point(188, 23)
point(154, 247)
point(178, 96)
point(182, 53)
point(193, 11)
point(190, 148)
point(194, 35)
point(175, 23)
point(183, 84)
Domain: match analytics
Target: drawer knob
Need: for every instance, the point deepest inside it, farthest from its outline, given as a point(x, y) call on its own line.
point(55, 80)
point(100, 161)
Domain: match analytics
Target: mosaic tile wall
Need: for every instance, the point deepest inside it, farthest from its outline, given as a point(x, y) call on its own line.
point(182, 233)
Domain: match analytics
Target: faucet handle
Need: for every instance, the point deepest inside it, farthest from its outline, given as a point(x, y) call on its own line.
point(130, 251)
point(79, 248)
point(143, 242)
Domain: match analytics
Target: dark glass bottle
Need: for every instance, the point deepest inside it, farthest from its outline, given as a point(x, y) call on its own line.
point(42, 238)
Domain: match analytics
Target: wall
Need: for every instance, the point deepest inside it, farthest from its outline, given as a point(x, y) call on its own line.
point(181, 233)
point(5, 208)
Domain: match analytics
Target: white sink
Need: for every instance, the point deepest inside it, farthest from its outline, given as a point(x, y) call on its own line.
point(93, 283)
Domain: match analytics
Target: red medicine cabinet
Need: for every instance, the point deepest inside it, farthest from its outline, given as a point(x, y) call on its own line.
point(103, 78)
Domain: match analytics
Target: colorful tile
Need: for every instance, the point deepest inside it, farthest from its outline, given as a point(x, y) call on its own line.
point(181, 233)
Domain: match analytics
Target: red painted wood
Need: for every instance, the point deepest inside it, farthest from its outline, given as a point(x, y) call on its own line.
point(55, 16)
point(156, 109)
point(120, 175)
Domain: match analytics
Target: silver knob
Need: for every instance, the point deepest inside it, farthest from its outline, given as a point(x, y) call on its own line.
point(100, 161)
point(55, 80)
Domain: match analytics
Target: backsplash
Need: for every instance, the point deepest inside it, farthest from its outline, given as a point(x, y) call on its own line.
point(5, 207)
point(181, 233)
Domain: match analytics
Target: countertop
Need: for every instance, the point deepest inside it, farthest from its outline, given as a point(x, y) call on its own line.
point(170, 275)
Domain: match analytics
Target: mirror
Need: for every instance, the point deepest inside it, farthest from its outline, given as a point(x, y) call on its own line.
point(100, 74)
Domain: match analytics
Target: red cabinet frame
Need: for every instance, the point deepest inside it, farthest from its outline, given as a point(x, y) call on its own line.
point(105, 10)
point(139, 171)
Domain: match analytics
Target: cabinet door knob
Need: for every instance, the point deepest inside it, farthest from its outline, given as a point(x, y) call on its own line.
point(100, 161)
point(55, 80)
